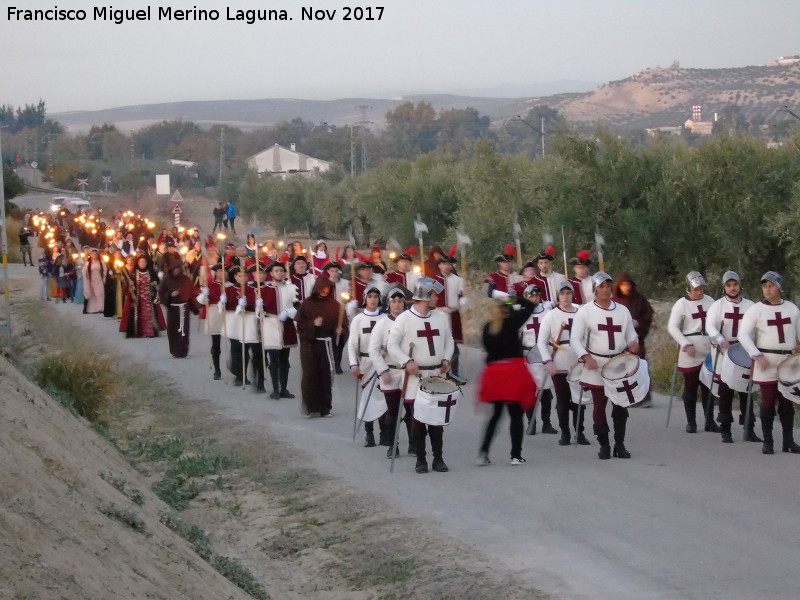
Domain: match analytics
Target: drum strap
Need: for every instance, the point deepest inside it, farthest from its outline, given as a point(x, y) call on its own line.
point(768, 351)
point(605, 355)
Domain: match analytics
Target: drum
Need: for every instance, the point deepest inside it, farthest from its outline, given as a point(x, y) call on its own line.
point(564, 358)
point(705, 374)
point(626, 379)
point(789, 378)
point(575, 387)
point(271, 333)
point(436, 401)
point(735, 369)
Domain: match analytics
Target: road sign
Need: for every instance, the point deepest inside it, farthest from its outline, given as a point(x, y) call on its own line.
point(176, 210)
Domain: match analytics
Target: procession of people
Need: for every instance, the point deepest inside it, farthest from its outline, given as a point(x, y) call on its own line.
point(579, 340)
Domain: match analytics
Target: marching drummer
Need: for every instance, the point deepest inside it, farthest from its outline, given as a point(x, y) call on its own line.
point(529, 332)
point(421, 343)
point(559, 359)
point(687, 326)
point(770, 331)
point(722, 325)
point(602, 330)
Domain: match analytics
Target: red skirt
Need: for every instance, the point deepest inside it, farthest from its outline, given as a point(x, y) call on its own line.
point(508, 380)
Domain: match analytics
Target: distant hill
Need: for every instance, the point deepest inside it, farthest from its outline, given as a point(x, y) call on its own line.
point(654, 97)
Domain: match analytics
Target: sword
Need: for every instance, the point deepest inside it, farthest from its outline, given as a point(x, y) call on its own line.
point(355, 412)
point(749, 411)
point(532, 421)
point(578, 415)
point(366, 403)
point(672, 386)
point(402, 405)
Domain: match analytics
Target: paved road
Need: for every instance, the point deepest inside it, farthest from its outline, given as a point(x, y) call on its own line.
point(686, 517)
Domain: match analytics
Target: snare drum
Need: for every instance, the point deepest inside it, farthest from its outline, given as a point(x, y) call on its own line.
point(436, 401)
point(789, 378)
point(371, 405)
point(538, 370)
point(626, 379)
point(735, 369)
point(706, 372)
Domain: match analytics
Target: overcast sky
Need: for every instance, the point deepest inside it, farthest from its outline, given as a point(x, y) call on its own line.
point(445, 46)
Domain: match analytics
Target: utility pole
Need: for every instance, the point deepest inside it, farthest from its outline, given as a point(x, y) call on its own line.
point(363, 134)
point(221, 153)
point(352, 154)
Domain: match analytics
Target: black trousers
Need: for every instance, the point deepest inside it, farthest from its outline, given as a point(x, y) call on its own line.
point(516, 427)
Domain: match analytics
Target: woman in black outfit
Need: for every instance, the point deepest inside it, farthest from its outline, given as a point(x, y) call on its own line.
point(506, 379)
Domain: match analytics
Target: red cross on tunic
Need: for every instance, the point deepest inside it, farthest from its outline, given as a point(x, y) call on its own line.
point(734, 316)
point(446, 404)
point(535, 325)
point(610, 328)
point(370, 328)
point(428, 333)
point(701, 314)
point(569, 325)
point(628, 388)
point(779, 323)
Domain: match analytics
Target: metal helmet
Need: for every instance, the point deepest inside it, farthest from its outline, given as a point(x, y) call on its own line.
point(599, 278)
point(425, 288)
point(774, 278)
point(695, 279)
point(565, 285)
point(399, 291)
point(532, 289)
point(730, 276)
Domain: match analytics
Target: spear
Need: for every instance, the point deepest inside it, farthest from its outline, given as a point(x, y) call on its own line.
point(564, 251)
point(462, 239)
point(310, 254)
point(419, 229)
point(599, 242)
point(517, 231)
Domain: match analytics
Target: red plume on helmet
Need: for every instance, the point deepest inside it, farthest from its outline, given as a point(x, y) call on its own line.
point(550, 250)
point(509, 250)
point(453, 249)
point(582, 257)
point(411, 250)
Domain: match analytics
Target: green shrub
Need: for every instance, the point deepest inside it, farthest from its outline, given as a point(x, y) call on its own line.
point(83, 383)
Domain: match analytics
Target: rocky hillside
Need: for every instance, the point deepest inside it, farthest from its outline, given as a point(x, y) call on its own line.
point(664, 96)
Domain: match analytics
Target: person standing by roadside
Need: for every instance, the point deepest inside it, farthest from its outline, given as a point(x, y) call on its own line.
point(231, 217)
point(627, 294)
point(25, 245)
point(45, 272)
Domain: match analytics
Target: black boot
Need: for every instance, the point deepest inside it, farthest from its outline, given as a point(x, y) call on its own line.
point(436, 433)
point(619, 416)
point(284, 379)
point(690, 406)
point(369, 441)
point(708, 410)
point(215, 361)
point(418, 441)
point(385, 435)
point(725, 422)
point(750, 434)
point(273, 374)
point(601, 431)
point(578, 422)
point(389, 452)
point(562, 411)
point(565, 438)
point(546, 403)
point(786, 416)
point(767, 418)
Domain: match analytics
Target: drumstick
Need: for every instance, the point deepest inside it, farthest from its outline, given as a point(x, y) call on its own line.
point(403, 406)
point(355, 415)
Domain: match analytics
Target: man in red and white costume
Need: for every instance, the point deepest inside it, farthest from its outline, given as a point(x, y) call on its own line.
point(770, 332)
point(279, 299)
point(403, 273)
point(502, 279)
point(722, 324)
point(547, 279)
point(602, 330)
point(451, 300)
point(581, 282)
point(687, 326)
point(527, 273)
point(301, 278)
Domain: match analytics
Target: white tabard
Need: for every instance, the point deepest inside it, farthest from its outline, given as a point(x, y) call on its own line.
point(361, 328)
point(557, 326)
point(724, 318)
point(379, 356)
point(603, 333)
point(687, 326)
point(529, 334)
point(432, 340)
point(773, 331)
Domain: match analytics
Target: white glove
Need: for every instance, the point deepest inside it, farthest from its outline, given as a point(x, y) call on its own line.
point(160, 275)
point(204, 291)
point(719, 339)
point(223, 299)
point(463, 301)
point(259, 303)
point(221, 307)
point(239, 309)
point(498, 295)
point(201, 298)
point(547, 305)
point(282, 316)
point(351, 307)
point(242, 302)
point(291, 311)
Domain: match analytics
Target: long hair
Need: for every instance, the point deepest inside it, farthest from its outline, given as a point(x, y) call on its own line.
point(497, 314)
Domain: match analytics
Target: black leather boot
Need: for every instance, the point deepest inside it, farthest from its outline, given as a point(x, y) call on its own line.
point(690, 406)
point(725, 422)
point(708, 410)
point(786, 416)
point(274, 376)
point(601, 431)
point(546, 401)
point(284, 379)
point(215, 361)
point(436, 433)
point(619, 416)
point(767, 418)
point(369, 432)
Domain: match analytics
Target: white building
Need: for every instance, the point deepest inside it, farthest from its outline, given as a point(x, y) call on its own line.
point(284, 161)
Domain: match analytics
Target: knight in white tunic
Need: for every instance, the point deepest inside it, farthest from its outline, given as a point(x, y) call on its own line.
point(687, 326)
point(529, 333)
point(420, 341)
point(770, 332)
point(602, 330)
